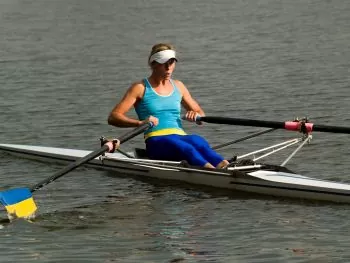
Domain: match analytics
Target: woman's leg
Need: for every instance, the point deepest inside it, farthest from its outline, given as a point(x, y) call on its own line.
point(174, 148)
point(205, 150)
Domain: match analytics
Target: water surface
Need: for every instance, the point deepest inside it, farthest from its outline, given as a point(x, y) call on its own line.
point(64, 65)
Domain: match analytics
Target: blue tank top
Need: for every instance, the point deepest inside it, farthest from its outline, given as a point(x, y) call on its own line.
point(167, 108)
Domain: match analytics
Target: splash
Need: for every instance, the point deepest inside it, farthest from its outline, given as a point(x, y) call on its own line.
point(12, 217)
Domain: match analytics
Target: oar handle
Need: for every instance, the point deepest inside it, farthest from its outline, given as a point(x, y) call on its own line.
point(105, 148)
point(289, 125)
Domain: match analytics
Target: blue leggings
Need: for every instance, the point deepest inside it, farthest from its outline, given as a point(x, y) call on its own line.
point(192, 148)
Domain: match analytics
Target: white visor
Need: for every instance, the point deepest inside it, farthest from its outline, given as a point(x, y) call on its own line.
point(163, 56)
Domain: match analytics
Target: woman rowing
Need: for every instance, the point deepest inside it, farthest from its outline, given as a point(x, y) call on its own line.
point(158, 99)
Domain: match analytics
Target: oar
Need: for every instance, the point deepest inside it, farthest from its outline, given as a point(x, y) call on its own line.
point(242, 139)
point(20, 202)
point(288, 125)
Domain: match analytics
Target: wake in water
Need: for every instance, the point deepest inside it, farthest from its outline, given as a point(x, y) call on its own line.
point(12, 217)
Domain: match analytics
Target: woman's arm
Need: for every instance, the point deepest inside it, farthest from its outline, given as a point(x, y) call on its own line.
point(189, 103)
point(117, 116)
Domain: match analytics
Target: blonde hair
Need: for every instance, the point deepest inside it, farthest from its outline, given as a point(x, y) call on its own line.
point(160, 47)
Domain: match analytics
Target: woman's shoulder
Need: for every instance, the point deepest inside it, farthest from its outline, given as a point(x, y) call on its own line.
point(138, 87)
point(179, 84)
point(138, 84)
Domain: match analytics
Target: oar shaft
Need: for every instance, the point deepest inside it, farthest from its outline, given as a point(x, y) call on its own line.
point(69, 168)
point(129, 135)
point(89, 157)
point(242, 139)
point(291, 125)
point(243, 122)
point(333, 129)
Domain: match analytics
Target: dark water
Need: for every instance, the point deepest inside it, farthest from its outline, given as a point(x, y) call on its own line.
point(64, 64)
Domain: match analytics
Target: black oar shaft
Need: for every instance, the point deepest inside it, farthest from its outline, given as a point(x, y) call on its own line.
point(270, 124)
point(243, 122)
point(242, 139)
point(333, 129)
point(135, 132)
point(89, 157)
point(69, 168)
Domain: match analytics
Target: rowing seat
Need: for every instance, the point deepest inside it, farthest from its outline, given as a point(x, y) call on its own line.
point(141, 153)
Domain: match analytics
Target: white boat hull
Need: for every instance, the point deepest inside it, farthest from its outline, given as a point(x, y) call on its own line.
point(265, 180)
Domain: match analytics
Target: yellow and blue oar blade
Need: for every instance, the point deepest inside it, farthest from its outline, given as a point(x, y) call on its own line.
point(18, 202)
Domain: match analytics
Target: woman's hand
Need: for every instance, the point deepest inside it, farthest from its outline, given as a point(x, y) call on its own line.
point(192, 116)
point(152, 119)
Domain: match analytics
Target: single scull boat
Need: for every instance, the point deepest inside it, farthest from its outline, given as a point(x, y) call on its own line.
point(245, 173)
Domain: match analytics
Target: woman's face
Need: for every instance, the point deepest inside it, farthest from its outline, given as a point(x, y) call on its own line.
point(164, 70)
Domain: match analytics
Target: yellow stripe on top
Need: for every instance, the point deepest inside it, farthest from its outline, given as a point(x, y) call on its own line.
point(165, 132)
point(24, 208)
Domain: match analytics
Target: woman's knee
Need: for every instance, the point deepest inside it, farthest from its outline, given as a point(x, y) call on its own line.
point(197, 141)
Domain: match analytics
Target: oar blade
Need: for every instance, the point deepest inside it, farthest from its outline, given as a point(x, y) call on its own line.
point(18, 202)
